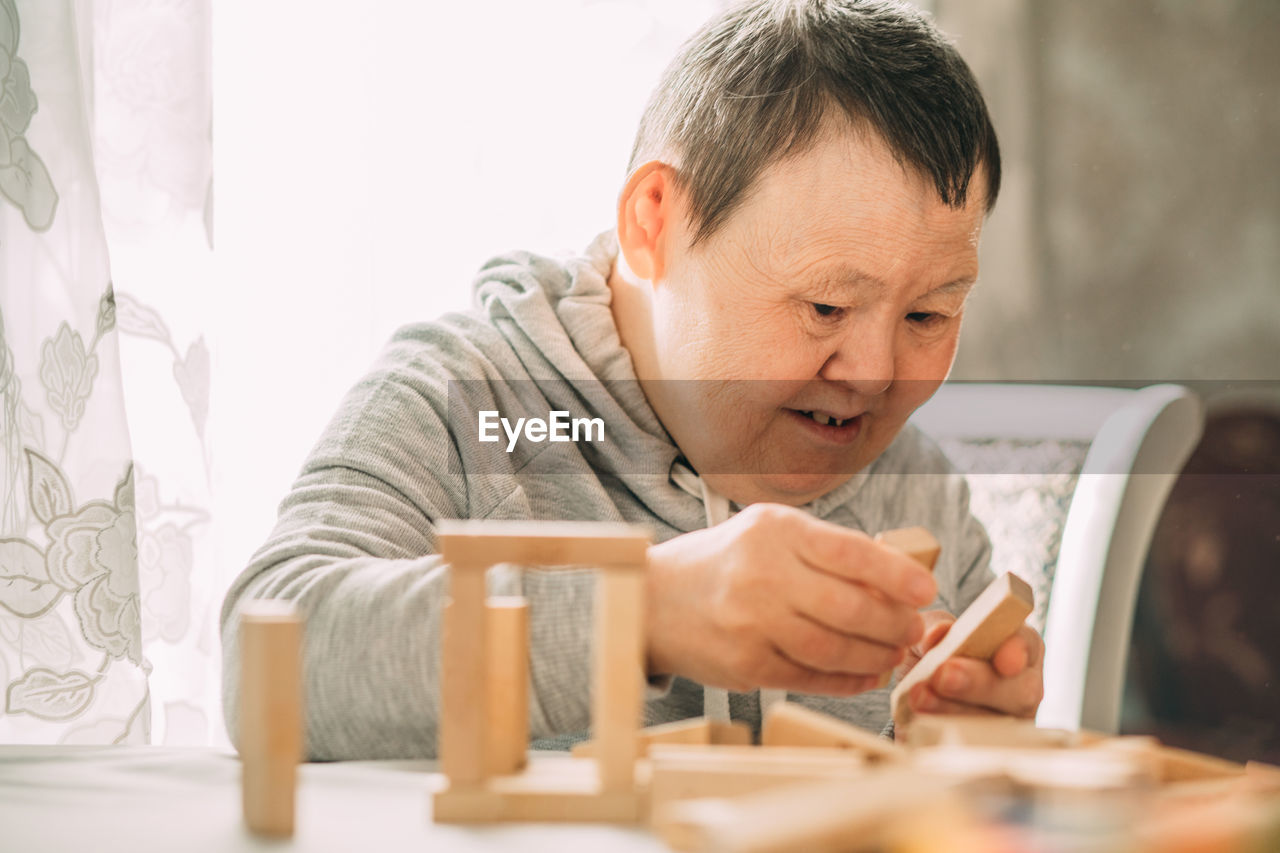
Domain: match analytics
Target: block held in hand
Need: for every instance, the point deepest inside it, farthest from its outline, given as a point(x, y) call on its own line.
point(993, 617)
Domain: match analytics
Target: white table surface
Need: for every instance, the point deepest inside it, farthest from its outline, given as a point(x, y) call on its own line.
point(142, 799)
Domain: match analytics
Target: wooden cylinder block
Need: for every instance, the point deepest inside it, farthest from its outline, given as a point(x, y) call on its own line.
point(271, 718)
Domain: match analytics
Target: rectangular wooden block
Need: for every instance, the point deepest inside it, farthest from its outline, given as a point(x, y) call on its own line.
point(699, 730)
point(817, 817)
point(600, 545)
point(918, 544)
point(550, 789)
point(618, 681)
point(992, 730)
point(1262, 778)
point(1227, 824)
point(755, 759)
point(464, 722)
point(508, 683)
point(487, 806)
point(271, 715)
point(994, 616)
point(683, 771)
point(1179, 765)
point(789, 724)
point(1173, 764)
point(1088, 770)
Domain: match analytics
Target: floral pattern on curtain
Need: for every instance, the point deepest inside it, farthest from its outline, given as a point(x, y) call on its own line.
point(71, 659)
point(152, 141)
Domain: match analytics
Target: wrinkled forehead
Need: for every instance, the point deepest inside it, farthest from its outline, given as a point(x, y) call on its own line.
point(849, 183)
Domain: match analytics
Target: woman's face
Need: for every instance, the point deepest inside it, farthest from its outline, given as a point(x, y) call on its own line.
point(823, 312)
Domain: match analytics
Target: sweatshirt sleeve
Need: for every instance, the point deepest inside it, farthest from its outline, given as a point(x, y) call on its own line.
point(355, 548)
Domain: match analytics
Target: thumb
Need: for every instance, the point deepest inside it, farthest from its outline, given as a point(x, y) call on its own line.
point(936, 625)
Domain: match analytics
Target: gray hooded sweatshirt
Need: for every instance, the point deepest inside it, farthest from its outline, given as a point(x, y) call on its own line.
point(355, 548)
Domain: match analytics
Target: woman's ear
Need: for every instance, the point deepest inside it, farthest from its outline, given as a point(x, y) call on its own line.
point(647, 215)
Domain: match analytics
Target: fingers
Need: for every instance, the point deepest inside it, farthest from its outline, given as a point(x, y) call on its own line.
point(781, 672)
point(854, 610)
point(925, 701)
point(1024, 650)
point(976, 684)
point(855, 556)
point(937, 623)
point(815, 647)
point(777, 598)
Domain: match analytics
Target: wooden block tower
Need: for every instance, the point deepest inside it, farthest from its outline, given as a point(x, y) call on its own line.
point(483, 730)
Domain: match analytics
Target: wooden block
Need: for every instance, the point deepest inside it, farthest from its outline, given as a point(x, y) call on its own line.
point(816, 817)
point(755, 759)
point(1201, 790)
point(1262, 778)
point(1258, 779)
point(684, 771)
point(993, 617)
point(986, 730)
point(954, 828)
point(271, 716)
point(1182, 764)
point(508, 683)
point(599, 545)
point(618, 682)
point(1173, 764)
point(486, 806)
point(918, 544)
point(789, 724)
point(1036, 768)
point(463, 727)
point(551, 789)
point(732, 733)
point(698, 730)
point(1238, 824)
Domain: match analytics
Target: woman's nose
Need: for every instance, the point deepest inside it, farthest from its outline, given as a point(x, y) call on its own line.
point(863, 359)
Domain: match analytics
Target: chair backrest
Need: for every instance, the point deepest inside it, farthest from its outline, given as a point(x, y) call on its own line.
point(1069, 482)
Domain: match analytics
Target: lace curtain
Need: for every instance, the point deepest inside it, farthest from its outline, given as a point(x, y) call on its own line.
point(151, 86)
point(72, 662)
point(105, 568)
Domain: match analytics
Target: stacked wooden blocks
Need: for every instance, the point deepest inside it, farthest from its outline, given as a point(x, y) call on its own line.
point(815, 783)
point(483, 730)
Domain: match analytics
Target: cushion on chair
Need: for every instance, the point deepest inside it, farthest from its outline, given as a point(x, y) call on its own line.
point(1021, 492)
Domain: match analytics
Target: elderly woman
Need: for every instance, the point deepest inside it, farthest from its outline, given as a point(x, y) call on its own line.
point(784, 286)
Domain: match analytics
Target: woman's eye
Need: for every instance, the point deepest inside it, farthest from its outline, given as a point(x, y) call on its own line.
point(825, 310)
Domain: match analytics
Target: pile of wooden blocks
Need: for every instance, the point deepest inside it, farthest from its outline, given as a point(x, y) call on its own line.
point(814, 783)
point(819, 784)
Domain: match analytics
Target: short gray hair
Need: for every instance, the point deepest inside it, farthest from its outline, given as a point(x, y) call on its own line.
point(753, 86)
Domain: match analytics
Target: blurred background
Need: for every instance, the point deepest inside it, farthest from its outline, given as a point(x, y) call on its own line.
point(1137, 239)
point(1137, 235)
point(283, 184)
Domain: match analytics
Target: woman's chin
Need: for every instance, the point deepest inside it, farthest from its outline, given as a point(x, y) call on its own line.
point(790, 489)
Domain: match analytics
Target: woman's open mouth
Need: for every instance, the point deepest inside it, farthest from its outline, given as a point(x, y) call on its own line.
point(828, 426)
